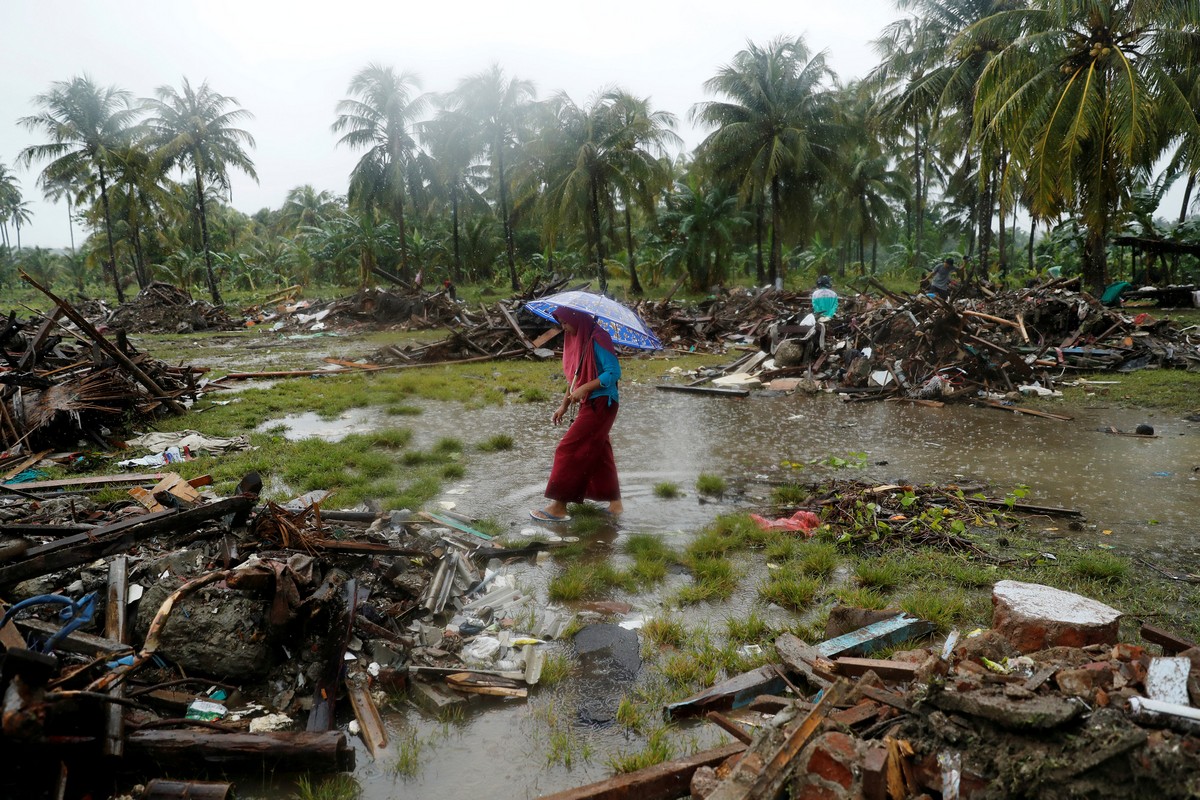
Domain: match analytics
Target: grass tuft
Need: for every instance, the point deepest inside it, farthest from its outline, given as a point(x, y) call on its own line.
point(665, 630)
point(497, 443)
point(883, 574)
point(666, 490)
point(789, 588)
point(711, 485)
point(335, 787)
point(408, 754)
point(944, 609)
point(555, 669)
point(657, 750)
point(1100, 566)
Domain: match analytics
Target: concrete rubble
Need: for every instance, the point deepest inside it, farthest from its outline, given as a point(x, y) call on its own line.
point(979, 715)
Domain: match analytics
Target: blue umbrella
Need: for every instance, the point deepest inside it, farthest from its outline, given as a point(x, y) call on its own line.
point(625, 327)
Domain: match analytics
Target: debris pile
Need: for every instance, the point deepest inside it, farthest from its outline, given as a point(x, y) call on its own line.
point(163, 308)
point(929, 350)
point(218, 634)
point(1047, 703)
point(62, 379)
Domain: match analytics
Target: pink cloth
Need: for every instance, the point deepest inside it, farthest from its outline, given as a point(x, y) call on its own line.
point(804, 521)
point(577, 347)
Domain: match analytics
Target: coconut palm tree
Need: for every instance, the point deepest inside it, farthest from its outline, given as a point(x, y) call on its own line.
point(1080, 97)
point(452, 144)
point(499, 106)
point(378, 117)
point(19, 213)
point(10, 195)
point(195, 127)
point(640, 138)
point(84, 123)
point(772, 128)
point(307, 207)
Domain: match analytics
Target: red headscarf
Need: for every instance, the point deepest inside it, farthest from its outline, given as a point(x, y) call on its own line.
point(577, 347)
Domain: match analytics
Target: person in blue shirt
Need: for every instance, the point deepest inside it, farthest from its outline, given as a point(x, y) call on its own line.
point(584, 467)
point(824, 298)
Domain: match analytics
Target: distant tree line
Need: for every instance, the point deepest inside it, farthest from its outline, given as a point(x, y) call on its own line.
point(1077, 116)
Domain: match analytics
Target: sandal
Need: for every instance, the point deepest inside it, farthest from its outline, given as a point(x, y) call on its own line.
point(544, 516)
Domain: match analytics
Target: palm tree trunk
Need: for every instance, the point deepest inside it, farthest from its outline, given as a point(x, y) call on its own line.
point(212, 276)
point(17, 225)
point(776, 263)
point(635, 286)
point(139, 261)
point(112, 254)
point(1095, 261)
point(1032, 228)
point(454, 225)
point(760, 273)
point(874, 254)
point(919, 170)
point(70, 223)
point(1187, 197)
point(508, 233)
point(594, 197)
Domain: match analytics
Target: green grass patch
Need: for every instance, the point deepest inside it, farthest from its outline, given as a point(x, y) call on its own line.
point(790, 588)
point(533, 394)
point(944, 609)
point(1167, 389)
point(402, 410)
point(657, 750)
point(667, 490)
point(861, 597)
point(588, 581)
point(712, 579)
point(334, 787)
point(408, 754)
point(497, 443)
point(752, 629)
point(711, 485)
point(789, 495)
point(1100, 566)
point(665, 631)
point(555, 669)
point(818, 558)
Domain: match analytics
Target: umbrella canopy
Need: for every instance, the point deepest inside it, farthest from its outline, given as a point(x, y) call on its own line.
point(625, 327)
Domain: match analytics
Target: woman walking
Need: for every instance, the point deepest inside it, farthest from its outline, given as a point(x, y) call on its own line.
point(584, 468)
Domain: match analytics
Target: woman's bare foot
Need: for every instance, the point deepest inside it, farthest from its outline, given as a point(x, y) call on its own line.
point(556, 509)
point(616, 507)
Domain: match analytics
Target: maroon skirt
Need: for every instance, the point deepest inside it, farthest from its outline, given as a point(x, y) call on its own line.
point(584, 467)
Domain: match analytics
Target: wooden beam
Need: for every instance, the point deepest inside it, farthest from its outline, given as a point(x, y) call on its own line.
point(888, 670)
point(733, 692)
point(665, 781)
point(1170, 643)
point(105, 480)
point(75, 642)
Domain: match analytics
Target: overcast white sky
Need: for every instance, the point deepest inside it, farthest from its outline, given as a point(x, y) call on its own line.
point(289, 63)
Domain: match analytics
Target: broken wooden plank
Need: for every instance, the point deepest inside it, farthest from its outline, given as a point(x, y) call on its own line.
point(373, 732)
point(1028, 508)
point(729, 726)
point(116, 629)
point(1032, 412)
point(888, 670)
point(1169, 642)
point(768, 765)
point(665, 781)
point(803, 659)
point(192, 751)
point(76, 641)
point(883, 696)
point(705, 390)
point(105, 480)
point(885, 633)
point(494, 685)
point(733, 692)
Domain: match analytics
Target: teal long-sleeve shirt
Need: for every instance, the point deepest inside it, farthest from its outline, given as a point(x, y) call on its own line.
point(610, 373)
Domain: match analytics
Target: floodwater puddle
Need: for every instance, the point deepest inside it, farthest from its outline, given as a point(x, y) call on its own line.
point(1142, 490)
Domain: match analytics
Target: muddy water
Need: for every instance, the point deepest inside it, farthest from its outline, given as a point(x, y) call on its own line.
point(1144, 491)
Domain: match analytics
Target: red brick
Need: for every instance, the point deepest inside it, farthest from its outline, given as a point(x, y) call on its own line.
point(822, 764)
point(813, 791)
point(874, 772)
